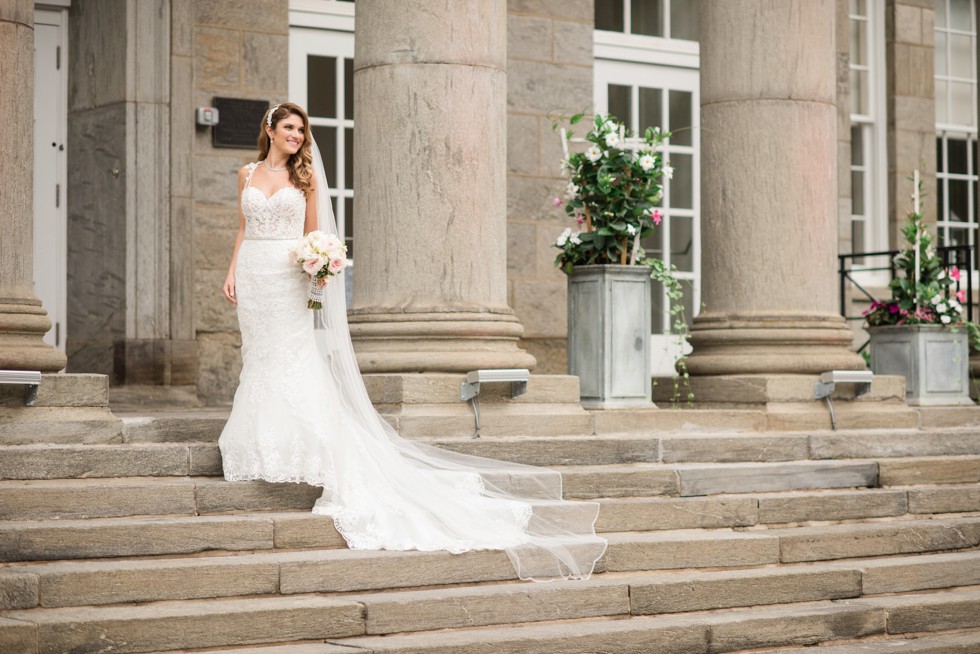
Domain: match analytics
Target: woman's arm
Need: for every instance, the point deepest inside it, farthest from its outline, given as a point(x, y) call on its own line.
point(229, 288)
point(312, 223)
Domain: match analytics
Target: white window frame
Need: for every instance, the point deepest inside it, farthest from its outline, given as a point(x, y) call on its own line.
point(664, 348)
point(874, 125)
point(946, 130)
point(322, 14)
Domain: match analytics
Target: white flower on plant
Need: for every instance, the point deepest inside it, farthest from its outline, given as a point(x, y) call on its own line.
point(647, 162)
point(571, 190)
point(668, 171)
point(946, 319)
point(936, 299)
point(563, 237)
point(593, 154)
point(631, 230)
point(942, 274)
point(658, 196)
point(574, 238)
point(612, 139)
point(941, 307)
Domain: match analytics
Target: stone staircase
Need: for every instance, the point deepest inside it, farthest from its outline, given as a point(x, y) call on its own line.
point(719, 541)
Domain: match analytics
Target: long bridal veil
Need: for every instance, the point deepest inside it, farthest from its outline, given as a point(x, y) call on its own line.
point(393, 493)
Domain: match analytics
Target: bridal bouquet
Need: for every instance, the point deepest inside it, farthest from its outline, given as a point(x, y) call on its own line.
point(321, 257)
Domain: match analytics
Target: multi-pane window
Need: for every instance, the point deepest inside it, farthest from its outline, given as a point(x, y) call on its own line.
point(668, 19)
point(956, 122)
point(865, 56)
point(330, 104)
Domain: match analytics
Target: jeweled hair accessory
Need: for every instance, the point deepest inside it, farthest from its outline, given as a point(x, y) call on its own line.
point(268, 120)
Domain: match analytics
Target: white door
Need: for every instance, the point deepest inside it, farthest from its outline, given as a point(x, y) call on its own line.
point(321, 79)
point(646, 95)
point(50, 169)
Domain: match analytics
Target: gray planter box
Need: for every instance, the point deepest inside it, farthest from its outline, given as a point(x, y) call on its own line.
point(609, 335)
point(933, 359)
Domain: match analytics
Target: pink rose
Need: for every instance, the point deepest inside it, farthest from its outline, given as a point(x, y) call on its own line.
point(313, 266)
point(322, 281)
point(335, 266)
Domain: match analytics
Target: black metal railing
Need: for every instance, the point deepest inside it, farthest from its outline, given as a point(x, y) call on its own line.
point(960, 256)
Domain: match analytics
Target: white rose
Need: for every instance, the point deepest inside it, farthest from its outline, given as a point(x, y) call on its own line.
point(936, 299)
point(941, 307)
point(946, 319)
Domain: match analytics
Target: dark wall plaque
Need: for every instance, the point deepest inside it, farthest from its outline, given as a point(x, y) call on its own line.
point(238, 122)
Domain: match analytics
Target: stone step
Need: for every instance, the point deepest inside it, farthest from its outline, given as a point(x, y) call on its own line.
point(726, 548)
point(805, 623)
point(956, 643)
point(71, 499)
point(124, 537)
point(199, 623)
point(77, 461)
point(929, 470)
point(175, 625)
point(27, 540)
point(61, 584)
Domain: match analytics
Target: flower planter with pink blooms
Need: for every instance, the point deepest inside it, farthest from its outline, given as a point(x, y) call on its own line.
point(920, 333)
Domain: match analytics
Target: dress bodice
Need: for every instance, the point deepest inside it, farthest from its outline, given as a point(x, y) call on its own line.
point(281, 216)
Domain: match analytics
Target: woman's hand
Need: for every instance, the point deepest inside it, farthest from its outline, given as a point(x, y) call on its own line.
point(229, 288)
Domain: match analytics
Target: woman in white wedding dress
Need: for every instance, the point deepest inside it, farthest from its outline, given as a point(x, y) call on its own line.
point(301, 412)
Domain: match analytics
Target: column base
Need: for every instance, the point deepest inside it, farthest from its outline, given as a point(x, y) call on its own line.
point(424, 406)
point(773, 343)
point(789, 402)
point(437, 342)
point(22, 330)
point(70, 409)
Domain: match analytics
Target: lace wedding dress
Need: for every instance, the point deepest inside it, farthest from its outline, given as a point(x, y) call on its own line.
point(301, 414)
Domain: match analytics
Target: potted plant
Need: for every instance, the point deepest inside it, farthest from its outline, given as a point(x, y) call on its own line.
point(920, 333)
point(614, 188)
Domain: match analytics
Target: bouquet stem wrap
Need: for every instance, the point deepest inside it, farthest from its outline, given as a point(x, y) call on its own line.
point(315, 301)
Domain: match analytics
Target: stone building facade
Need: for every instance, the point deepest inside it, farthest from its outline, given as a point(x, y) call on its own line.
point(150, 201)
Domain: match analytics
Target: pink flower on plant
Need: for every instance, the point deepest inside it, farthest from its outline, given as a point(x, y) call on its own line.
point(580, 220)
point(557, 202)
point(656, 216)
point(961, 296)
point(954, 273)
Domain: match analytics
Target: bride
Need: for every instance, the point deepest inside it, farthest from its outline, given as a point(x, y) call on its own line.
point(301, 412)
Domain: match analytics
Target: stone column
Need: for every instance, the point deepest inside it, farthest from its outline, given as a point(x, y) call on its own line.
point(23, 321)
point(769, 191)
point(430, 90)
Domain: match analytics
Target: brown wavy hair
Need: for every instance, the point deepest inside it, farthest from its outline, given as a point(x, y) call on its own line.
point(300, 165)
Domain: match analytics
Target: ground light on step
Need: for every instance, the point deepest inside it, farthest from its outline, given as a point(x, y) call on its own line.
point(30, 378)
point(469, 389)
point(828, 382)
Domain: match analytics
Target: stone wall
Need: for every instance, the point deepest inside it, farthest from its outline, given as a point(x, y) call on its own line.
point(240, 50)
point(910, 96)
point(97, 183)
point(549, 71)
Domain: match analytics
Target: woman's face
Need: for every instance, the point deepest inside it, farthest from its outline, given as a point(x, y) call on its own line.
point(289, 134)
